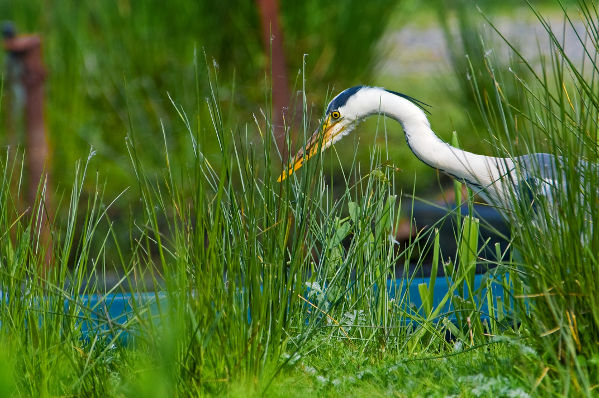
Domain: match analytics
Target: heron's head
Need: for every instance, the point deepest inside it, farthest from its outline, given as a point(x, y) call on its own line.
point(343, 112)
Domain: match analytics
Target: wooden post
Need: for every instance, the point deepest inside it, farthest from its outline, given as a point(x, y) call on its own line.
point(27, 51)
point(272, 41)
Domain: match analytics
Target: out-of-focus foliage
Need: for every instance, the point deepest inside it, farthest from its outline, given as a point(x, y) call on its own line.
point(340, 38)
point(475, 57)
point(111, 65)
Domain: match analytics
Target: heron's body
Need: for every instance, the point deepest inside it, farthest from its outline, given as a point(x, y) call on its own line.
point(496, 179)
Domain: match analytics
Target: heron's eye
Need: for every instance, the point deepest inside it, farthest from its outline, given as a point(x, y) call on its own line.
point(335, 115)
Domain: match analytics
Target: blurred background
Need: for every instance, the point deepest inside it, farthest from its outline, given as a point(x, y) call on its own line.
point(112, 65)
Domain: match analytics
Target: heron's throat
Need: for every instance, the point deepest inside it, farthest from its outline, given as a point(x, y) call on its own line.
point(428, 147)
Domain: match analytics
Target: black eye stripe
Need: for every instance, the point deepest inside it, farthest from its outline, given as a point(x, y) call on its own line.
point(342, 98)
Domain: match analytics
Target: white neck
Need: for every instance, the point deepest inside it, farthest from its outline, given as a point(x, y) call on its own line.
point(475, 169)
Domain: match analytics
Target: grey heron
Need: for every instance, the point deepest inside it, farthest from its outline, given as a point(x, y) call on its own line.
point(495, 179)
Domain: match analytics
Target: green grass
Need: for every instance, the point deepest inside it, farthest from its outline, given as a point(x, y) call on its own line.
point(556, 240)
point(236, 252)
point(335, 370)
point(269, 288)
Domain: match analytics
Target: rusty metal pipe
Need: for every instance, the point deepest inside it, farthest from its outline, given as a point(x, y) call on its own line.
point(272, 42)
point(27, 51)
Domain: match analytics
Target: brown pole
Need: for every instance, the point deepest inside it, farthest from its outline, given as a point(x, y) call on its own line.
point(27, 50)
point(272, 41)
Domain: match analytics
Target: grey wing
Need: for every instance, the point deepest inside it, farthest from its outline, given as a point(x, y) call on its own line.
point(537, 177)
point(539, 165)
point(543, 174)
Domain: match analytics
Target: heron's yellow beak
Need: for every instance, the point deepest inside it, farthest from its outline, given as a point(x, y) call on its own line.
point(321, 139)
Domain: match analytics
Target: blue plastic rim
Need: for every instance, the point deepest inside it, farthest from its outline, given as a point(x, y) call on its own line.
point(111, 314)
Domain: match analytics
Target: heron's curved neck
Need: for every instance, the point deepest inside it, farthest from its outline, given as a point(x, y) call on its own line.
point(429, 148)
